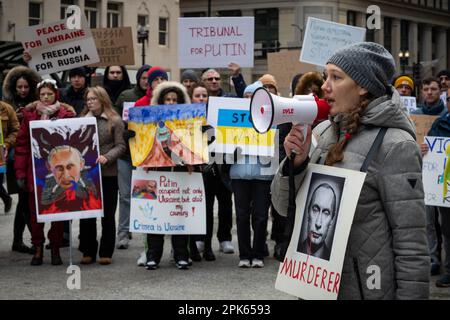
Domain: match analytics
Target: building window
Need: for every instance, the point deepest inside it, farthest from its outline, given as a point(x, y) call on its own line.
point(64, 5)
point(113, 15)
point(91, 12)
point(230, 13)
point(163, 31)
point(266, 31)
point(351, 18)
point(194, 14)
point(387, 41)
point(142, 20)
point(34, 13)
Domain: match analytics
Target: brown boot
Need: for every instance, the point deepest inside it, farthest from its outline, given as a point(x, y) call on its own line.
point(38, 256)
point(56, 258)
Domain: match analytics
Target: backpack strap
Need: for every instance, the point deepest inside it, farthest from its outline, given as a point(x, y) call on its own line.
point(374, 149)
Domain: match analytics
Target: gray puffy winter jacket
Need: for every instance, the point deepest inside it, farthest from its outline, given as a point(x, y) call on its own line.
point(389, 226)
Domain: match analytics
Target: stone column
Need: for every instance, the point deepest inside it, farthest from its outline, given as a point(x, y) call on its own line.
point(379, 33)
point(103, 13)
point(441, 49)
point(396, 43)
point(413, 45)
point(425, 43)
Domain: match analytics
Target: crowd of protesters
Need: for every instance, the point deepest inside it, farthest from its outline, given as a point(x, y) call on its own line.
point(362, 98)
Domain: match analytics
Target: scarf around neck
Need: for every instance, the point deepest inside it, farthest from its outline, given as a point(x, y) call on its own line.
point(433, 109)
point(47, 111)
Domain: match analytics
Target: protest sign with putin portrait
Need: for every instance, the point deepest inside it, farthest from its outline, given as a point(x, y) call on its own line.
point(67, 179)
point(326, 204)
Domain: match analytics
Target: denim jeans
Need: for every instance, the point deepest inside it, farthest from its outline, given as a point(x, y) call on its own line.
point(444, 215)
point(431, 234)
point(125, 170)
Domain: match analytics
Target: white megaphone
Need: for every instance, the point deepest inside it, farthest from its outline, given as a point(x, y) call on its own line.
point(267, 110)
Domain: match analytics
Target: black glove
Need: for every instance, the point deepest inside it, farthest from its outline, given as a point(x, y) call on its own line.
point(22, 184)
point(127, 134)
point(211, 133)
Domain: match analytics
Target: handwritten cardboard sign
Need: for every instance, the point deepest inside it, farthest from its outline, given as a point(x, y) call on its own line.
point(53, 47)
point(114, 46)
point(436, 172)
point(167, 203)
point(215, 42)
point(423, 124)
point(231, 119)
point(410, 103)
point(317, 274)
point(323, 38)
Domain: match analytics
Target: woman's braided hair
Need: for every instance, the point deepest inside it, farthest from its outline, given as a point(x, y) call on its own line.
point(336, 152)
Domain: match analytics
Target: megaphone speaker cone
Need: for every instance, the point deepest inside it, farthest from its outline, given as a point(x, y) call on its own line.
point(261, 110)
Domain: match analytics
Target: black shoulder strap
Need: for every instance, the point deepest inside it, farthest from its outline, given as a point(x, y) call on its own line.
point(374, 149)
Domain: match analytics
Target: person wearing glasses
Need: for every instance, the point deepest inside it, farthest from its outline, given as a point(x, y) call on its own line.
point(217, 182)
point(112, 146)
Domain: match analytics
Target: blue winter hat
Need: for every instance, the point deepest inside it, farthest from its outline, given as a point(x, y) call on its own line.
point(155, 72)
point(252, 87)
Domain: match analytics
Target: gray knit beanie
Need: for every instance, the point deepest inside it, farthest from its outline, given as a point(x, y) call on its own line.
point(369, 64)
point(189, 74)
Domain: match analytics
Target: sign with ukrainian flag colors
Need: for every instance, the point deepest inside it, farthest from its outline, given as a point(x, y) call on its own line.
point(436, 172)
point(233, 128)
point(168, 135)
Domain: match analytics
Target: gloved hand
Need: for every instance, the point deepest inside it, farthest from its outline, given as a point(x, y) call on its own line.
point(22, 184)
point(127, 134)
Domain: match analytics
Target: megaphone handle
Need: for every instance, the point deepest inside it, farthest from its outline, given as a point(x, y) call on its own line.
point(305, 131)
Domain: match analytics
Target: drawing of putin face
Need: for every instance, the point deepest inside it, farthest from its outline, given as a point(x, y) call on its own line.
point(321, 213)
point(66, 164)
point(151, 186)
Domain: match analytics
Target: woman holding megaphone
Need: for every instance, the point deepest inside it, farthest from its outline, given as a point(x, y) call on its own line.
point(389, 226)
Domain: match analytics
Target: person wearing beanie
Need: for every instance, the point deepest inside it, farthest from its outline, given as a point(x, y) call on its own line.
point(124, 162)
point(47, 107)
point(444, 78)
point(155, 76)
point(189, 78)
point(404, 85)
point(251, 187)
point(250, 89)
point(389, 225)
point(73, 94)
point(269, 83)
